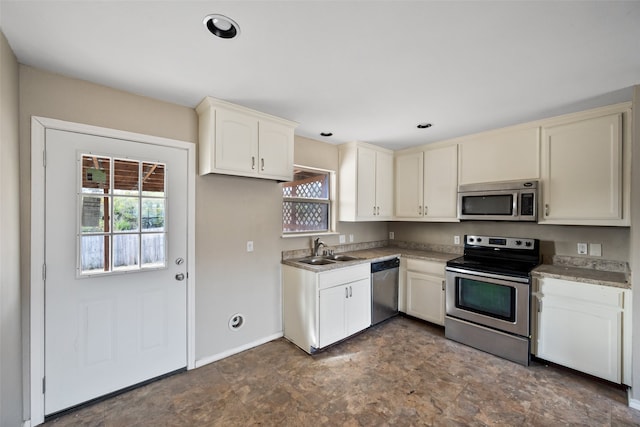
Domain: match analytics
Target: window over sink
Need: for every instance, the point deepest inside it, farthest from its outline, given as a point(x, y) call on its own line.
point(307, 205)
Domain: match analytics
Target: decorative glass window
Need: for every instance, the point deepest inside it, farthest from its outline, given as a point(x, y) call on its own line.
point(122, 205)
point(306, 202)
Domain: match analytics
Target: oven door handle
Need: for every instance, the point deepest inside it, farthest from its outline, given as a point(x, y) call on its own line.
point(488, 275)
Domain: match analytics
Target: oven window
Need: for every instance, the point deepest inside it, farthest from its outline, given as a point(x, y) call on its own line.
point(486, 298)
point(499, 204)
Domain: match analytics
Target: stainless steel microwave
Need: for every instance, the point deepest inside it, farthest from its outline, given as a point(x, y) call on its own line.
point(499, 201)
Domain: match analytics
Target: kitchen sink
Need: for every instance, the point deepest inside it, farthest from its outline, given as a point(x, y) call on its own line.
point(340, 257)
point(316, 261)
point(327, 259)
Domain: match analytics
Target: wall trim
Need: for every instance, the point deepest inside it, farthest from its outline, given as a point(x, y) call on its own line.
point(633, 403)
point(36, 303)
point(219, 356)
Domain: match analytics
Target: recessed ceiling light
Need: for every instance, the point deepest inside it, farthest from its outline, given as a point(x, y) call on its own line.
point(326, 134)
point(424, 125)
point(221, 26)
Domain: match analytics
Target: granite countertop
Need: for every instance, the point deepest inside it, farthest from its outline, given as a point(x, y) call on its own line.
point(375, 255)
point(583, 275)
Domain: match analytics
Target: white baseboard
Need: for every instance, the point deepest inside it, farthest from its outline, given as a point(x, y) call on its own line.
point(231, 352)
point(633, 403)
point(26, 423)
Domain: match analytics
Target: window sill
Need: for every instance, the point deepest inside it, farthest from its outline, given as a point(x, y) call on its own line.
point(320, 233)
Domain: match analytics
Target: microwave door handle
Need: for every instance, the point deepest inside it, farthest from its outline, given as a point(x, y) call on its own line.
point(516, 212)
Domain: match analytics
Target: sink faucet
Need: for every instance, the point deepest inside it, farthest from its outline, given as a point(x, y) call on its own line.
point(317, 243)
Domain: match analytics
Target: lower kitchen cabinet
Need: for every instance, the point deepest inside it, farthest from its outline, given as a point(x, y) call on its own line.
point(425, 283)
point(344, 310)
point(583, 326)
point(322, 308)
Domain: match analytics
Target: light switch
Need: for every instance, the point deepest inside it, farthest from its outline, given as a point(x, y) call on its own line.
point(250, 246)
point(342, 238)
point(582, 248)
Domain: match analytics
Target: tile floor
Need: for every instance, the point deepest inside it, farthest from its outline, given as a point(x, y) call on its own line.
point(402, 372)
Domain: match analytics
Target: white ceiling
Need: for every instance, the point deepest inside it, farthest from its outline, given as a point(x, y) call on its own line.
point(364, 70)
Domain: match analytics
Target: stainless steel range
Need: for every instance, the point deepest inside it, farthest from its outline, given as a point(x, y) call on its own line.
point(488, 293)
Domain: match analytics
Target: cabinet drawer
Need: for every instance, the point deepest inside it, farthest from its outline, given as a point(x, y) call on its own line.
point(596, 294)
point(429, 267)
point(344, 275)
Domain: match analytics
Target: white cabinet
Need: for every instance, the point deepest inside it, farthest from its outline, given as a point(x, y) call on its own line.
point(426, 184)
point(424, 290)
point(320, 309)
point(584, 327)
point(501, 155)
point(365, 182)
point(583, 171)
point(238, 141)
point(344, 310)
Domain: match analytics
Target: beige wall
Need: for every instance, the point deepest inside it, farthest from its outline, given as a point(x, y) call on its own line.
point(635, 245)
point(10, 310)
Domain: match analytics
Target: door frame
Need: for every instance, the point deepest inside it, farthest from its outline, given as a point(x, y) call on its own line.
point(39, 125)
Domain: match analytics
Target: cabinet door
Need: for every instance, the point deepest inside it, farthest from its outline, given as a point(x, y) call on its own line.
point(236, 146)
point(333, 314)
point(384, 185)
point(503, 155)
point(408, 184)
point(581, 336)
point(358, 306)
point(366, 183)
point(582, 172)
point(441, 183)
point(275, 150)
point(425, 297)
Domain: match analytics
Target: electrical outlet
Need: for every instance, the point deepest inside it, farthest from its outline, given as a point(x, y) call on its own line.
point(350, 238)
point(342, 238)
point(582, 248)
point(250, 246)
point(595, 249)
point(392, 235)
point(456, 240)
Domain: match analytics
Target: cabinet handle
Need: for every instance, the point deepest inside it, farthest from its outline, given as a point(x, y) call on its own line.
point(444, 283)
point(262, 164)
point(546, 210)
point(426, 209)
point(378, 211)
point(374, 210)
point(346, 292)
point(253, 162)
point(350, 291)
point(419, 210)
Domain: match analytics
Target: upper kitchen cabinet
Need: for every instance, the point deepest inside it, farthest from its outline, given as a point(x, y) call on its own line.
point(365, 182)
point(235, 140)
point(586, 167)
point(501, 155)
point(426, 184)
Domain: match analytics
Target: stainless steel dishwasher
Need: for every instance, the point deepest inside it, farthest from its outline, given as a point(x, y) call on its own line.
point(384, 289)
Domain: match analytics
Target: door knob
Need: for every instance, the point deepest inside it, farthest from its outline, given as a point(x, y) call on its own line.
point(180, 277)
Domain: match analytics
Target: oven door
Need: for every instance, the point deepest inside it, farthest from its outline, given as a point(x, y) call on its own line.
point(496, 302)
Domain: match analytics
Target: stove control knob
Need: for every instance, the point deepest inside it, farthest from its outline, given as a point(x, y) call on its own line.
point(479, 240)
point(471, 239)
point(518, 242)
point(527, 244)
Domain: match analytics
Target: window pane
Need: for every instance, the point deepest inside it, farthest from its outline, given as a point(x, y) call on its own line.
point(126, 177)
point(307, 185)
point(92, 253)
point(125, 251)
point(93, 214)
point(153, 250)
point(95, 174)
point(153, 179)
point(305, 216)
point(125, 214)
point(153, 214)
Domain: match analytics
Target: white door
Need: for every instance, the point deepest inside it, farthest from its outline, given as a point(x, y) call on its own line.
point(115, 288)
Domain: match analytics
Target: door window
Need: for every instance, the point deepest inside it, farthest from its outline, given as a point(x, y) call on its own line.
point(122, 215)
